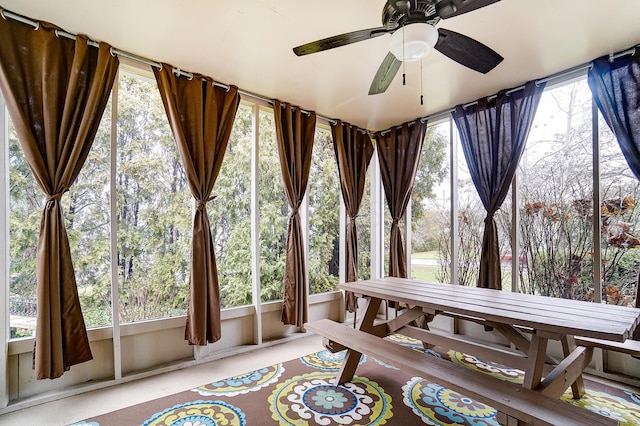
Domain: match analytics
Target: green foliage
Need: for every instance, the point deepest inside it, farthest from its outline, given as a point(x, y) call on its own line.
point(229, 214)
point(427, 218)
point(432, 170)
point(26, 204)
point(18, 333)
point(324, 216)
point(274, 213)
point(154, 208)
point(363, 226)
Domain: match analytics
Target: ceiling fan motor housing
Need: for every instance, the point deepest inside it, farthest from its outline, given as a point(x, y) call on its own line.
point(410, 12)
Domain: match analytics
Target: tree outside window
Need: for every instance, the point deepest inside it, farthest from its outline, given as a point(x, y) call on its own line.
point(323, 194)
point(229, 214)
point(154, 207)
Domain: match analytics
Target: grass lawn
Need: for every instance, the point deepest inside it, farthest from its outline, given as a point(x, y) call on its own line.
point(433, 254)
point(424, 273)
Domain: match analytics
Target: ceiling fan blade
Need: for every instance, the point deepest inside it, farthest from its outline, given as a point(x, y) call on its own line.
point(387, 71)
point(339, 40)
point(467, 51)
point(450, 8)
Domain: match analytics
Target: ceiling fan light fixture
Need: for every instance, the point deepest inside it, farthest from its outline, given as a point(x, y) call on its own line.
point(418, 38)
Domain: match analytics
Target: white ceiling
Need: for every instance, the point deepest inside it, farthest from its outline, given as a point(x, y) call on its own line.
point(248, 43)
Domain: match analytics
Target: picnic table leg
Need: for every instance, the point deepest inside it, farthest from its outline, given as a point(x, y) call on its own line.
point(424, 324)
point(370, 314)
point(568, 346)
point(352, 359)
point(537, 354)
point(519, 340)
point(349, 365)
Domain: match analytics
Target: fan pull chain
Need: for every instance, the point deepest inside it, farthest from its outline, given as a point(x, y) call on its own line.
point(404, 75)
point(421, 91)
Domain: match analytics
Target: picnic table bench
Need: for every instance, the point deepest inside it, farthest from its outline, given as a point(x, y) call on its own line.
point(579, 326)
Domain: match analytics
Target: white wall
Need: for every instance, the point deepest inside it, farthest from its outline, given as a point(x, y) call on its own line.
point(152, 347)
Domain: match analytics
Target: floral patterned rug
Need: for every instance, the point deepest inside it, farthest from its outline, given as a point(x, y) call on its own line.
point(300, 392)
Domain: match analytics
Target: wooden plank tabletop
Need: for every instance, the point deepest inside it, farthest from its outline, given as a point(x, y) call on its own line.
point(555, 315)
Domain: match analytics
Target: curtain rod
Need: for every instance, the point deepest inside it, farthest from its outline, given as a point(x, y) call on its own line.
point(612, 57)
point(560, 75)
point(557, 76)
point(114, 51)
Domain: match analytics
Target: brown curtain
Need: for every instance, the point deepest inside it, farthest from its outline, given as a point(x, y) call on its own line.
point(56, 90)
point(201, 116)
point(493, 136)
point(399, 154)
point(353, 150)
point(295, 131)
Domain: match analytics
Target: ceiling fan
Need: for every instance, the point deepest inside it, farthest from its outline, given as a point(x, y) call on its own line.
point(413, 34)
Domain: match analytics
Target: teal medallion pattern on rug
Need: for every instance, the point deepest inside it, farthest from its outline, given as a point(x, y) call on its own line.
point(436, 405)
point(412, 343)
point(501, 372)
point(327, 361)
point(244, 383)
point(301, 392)
point(635, 397)
point(201, 413)
point(311, 399)
point(623, 411)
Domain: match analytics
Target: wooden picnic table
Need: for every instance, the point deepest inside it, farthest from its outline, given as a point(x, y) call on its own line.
point(527, 321)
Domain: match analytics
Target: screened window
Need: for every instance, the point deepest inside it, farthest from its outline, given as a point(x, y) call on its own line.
point(229, 214)
point(364, 229)
point(154, 207)
point(556, 193)
point(620, 223)
point(430, 207)
point(26, 201)
point(323, 191)
point(274, 213)
point(471, 214)
point(86, 213)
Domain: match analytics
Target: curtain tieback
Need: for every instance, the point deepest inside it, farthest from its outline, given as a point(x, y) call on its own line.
point(200, 204)
point(56, 197)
